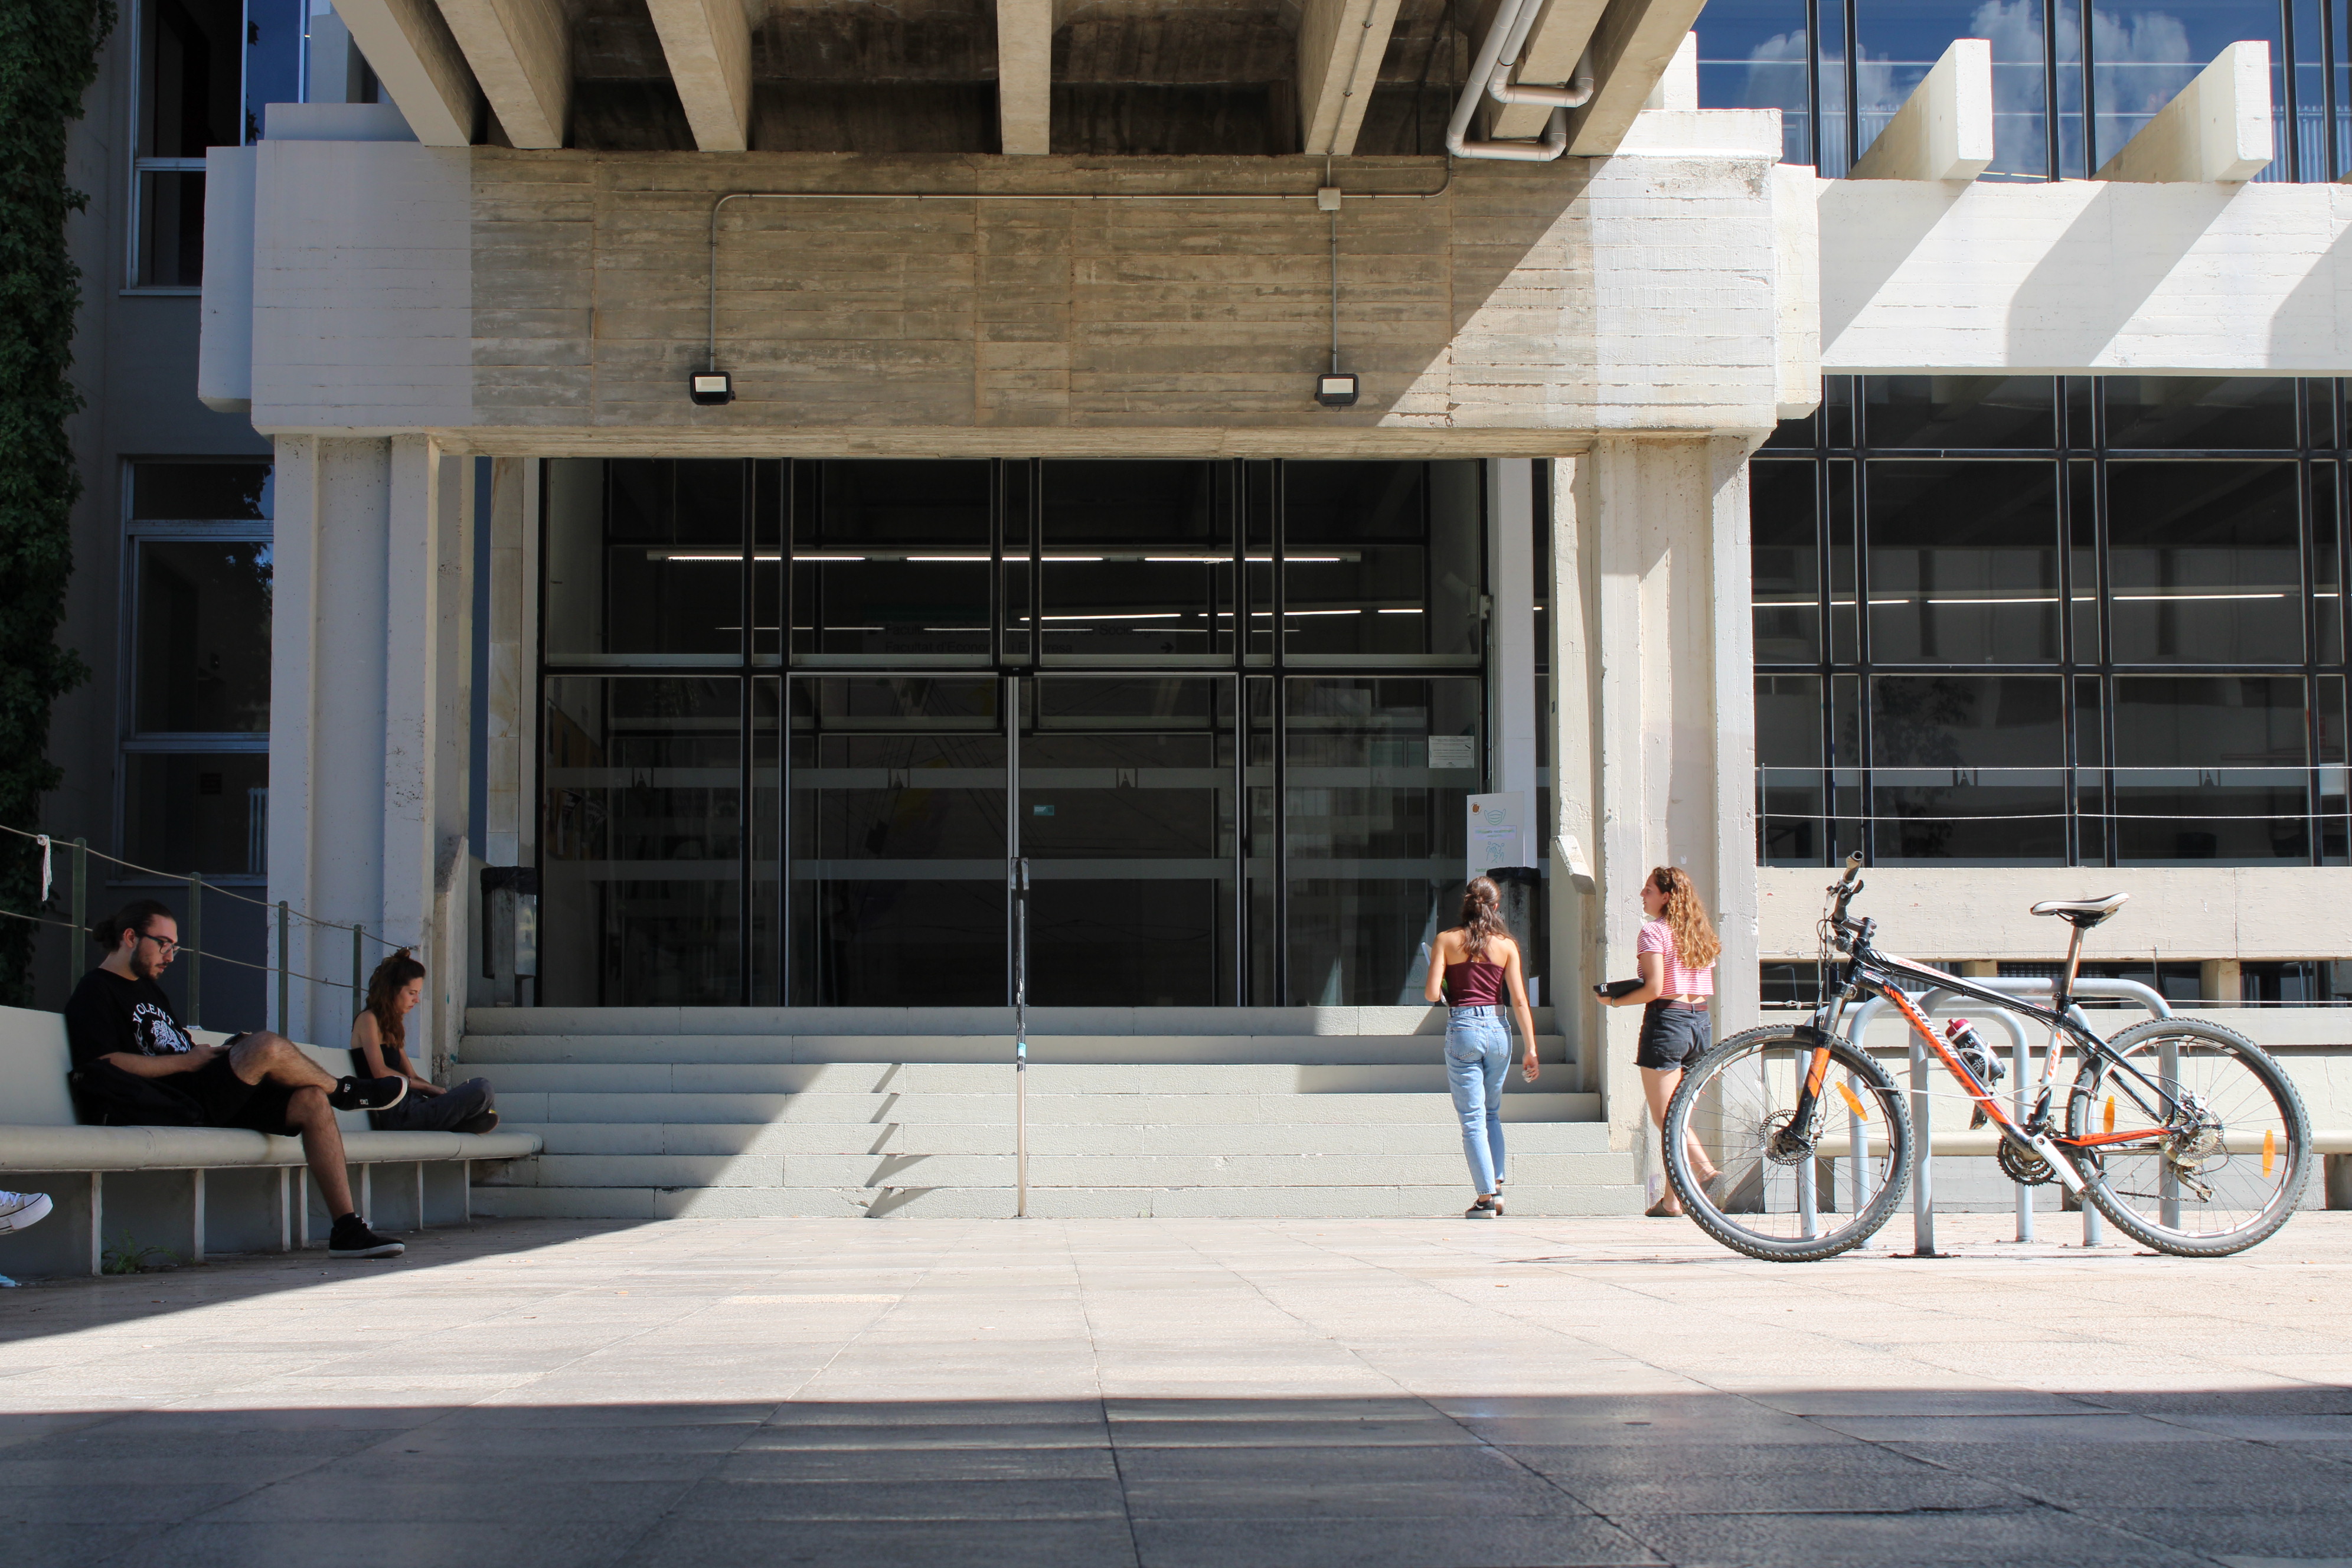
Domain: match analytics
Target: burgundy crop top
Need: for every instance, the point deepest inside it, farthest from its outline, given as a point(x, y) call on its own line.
point(1476, 984)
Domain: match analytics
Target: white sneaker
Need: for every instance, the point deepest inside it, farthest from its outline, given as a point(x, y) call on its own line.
point(19, 1210)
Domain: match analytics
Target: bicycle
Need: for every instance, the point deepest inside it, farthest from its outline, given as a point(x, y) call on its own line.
point(2186, 1136)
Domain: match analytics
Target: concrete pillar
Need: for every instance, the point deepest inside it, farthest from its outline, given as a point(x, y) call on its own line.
point(2219, 980)
point(368, 737)
point(1657, 573)
point(1510, 547)
point(1981, 969)
point(510, 705)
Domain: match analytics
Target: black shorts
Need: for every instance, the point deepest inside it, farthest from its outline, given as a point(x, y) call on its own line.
point(227, 1101)
point(1672, 1035)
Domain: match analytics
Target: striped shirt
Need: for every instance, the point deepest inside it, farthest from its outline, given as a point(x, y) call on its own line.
point(1657, 936)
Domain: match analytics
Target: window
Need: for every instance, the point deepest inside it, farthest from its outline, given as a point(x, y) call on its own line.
point(191, 77)
point(196, 766)
point(2098, 621)
point(2071, 82)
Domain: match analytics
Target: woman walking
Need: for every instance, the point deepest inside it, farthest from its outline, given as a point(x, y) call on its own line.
point(1473, 967)
point(1676, 956)
point(379, 1049)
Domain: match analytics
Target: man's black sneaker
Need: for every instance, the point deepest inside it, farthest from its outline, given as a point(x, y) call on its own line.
point(480, 1121)
point(368, 1093)
point(353, 1238)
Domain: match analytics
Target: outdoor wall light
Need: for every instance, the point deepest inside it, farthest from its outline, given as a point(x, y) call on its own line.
point(1336, 390)
point(708, 388)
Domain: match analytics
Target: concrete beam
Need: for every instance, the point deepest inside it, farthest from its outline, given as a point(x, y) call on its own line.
point(1632, 47)
point(2085, 277)
point(521, 53)
point(1340, 45)
point(2217, 130)
point(416, 57)
point(1024, 76)
point(709, 46)
point(1554, 47)
point(1677, 90)
point(1944, 130)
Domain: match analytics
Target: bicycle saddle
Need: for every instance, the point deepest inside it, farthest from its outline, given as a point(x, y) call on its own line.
point(2083, 913)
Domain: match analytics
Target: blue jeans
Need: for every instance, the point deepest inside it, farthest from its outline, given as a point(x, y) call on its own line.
point(1478, 1054)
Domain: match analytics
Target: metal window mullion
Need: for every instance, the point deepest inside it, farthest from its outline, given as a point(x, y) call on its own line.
point(2307, 548)
point(2329, 162)
point(1853, 94)
point(2106, 615)
point(788, 480)
point(1824, 587)
point(2288, 89)
point(1813, 82)
point(2053, 145)
point(747, 539)
point(1279, 702)
point(1865, 692)
point(2089, 97)
point(2066, 650)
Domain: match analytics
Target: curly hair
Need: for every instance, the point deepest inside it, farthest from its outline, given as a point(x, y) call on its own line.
point(1696, 944)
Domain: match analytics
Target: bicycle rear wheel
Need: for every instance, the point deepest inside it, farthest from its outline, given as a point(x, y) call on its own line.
point(1789, 1199)
point(2231, 1164)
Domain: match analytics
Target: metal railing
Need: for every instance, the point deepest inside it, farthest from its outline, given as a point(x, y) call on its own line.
point(1939, 1000)
point(191, 948)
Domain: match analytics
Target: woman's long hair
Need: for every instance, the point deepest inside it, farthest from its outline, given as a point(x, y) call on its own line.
point(384, 997)
point(1696, 944)
point(1482, 916)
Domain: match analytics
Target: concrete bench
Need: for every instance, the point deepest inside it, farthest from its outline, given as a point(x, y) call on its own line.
point(194, 1189)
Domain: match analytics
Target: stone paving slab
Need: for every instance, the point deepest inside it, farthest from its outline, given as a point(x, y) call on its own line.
point(1234, 1393)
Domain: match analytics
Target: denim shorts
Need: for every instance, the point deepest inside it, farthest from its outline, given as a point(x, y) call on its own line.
point(1672, 1035)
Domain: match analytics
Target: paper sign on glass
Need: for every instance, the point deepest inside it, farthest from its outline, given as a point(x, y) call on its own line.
point(1498, 831)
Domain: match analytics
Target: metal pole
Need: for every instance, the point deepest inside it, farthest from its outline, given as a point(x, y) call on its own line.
point(1021, 1035)
point(2021, 1104)
point(195, 945)
point(1923, 1138)
point(1857, 1149)
point(81, 911)
point(2168, 1182)
point(283, 965)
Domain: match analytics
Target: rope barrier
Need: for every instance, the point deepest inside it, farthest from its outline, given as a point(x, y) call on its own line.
point(47, 841)
point(191, 952)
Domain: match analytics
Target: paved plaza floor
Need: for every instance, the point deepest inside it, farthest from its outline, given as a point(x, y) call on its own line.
point(1168, 1393)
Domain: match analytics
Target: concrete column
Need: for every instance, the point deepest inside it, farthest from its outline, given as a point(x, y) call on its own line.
point(1575, 771)
point(1661, 558)
point(2219, 980)
point(368, 733)
point(1981, 969)
point(1510, 547)
point(511, 703)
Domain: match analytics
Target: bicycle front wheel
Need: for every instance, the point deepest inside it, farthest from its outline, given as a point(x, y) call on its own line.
point(1777, 1191)
point(2226, 1148)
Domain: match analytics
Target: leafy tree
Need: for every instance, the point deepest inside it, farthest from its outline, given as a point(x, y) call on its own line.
point(48, 56)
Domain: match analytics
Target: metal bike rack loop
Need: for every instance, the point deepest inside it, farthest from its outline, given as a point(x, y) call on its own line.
point(1941, 1000)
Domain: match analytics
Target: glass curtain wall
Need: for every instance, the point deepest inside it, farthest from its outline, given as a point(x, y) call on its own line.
point(799, 716)
point(2026, 621)
point(2072, 84)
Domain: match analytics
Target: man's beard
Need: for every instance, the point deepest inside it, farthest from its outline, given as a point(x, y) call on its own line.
point(144, 967)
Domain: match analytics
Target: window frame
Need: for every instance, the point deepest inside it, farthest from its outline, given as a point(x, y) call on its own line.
point(129, 740)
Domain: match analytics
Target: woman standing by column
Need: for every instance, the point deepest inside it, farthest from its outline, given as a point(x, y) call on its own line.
point(1471, 967)
point(1676, 956)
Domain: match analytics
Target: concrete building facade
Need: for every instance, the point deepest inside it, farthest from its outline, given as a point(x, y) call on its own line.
point(739, 480)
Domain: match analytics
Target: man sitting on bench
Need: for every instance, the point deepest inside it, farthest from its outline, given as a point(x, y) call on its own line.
point(134, 1066)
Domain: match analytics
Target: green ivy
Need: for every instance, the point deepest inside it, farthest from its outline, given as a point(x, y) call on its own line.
point(48, 56)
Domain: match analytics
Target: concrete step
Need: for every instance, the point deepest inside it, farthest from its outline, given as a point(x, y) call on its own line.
point(995, 1109)
point(917, 1021)
point(1437, 1202)
point(1436, 1132)
point(488, 1050)
point(901, 1170)
point(955, 1077)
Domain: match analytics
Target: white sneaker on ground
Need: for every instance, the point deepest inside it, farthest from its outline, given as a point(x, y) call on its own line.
point(19, 1210)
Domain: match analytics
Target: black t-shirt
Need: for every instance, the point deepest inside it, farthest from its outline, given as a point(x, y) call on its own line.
point(108, 1014)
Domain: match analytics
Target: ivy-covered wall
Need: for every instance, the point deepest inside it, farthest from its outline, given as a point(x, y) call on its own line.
point(48, 56)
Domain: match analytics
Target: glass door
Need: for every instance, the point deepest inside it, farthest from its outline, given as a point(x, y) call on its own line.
point(896, 838)
point(1125, 813)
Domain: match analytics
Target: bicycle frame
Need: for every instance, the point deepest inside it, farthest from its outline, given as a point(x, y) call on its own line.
point(1865, 972)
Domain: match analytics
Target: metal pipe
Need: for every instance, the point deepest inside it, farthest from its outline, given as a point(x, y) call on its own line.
point(1021, 1037)
point(1490, 75)
point(195, 949)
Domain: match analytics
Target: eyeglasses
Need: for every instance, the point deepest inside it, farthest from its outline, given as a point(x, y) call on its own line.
point(168, 946)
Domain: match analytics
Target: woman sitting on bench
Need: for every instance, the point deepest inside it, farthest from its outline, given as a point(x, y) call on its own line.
point(380, 1049)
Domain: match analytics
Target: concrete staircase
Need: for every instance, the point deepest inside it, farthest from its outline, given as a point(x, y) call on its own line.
point(1305, 1111)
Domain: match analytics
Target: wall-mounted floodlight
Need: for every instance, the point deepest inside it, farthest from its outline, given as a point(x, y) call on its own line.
point(1337, 389)
point(713, 386)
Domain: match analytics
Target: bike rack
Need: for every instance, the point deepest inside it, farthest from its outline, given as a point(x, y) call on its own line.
point(1940, 1000)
